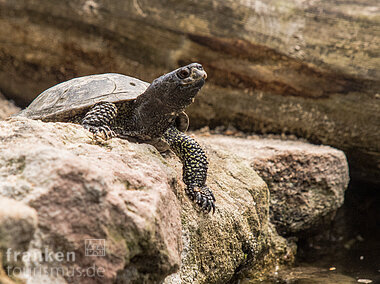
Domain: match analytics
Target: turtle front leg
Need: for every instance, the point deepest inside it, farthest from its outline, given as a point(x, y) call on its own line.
point(194, 169)
point(99, 118)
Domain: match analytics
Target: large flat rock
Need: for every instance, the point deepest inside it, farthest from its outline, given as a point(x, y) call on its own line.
point(306, 182)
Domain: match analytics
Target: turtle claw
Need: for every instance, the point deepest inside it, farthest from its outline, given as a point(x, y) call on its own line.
point(198, 198)
point(213, 208)
point(203, 196)
point(102, 132)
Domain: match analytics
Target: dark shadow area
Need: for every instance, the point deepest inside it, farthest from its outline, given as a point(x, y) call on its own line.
point(351, 246)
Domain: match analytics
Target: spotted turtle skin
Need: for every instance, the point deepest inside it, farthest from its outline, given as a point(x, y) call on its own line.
point(114, 105)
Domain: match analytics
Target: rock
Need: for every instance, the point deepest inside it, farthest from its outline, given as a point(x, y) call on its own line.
point(7, 108)
point(129, 195)
point(16, 219)
point(306, 182)
point(216, 247)
point(18, 224)
point(294, 67)
point(118, 192)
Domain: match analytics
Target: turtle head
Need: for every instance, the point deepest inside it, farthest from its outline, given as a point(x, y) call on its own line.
point(178, 88)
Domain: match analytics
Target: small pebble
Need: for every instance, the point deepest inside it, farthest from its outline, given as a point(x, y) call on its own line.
point(359, 238)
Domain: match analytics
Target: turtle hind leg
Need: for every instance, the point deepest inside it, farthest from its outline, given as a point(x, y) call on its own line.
point(194, 169)
point(99, 119)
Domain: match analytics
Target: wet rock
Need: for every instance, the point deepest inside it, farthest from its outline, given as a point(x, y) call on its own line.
point(7, 108)
point(306, 182)
point(270, 67)
point(130, 196)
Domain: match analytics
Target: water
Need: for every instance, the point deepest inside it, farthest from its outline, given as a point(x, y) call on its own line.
point(347, 252)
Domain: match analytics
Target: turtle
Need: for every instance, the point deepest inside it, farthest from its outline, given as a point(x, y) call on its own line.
point(115, 105)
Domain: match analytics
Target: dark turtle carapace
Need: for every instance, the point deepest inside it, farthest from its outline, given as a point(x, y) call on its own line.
point(115, 105)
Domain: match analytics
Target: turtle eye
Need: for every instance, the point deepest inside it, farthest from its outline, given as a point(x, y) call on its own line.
point(183, 73)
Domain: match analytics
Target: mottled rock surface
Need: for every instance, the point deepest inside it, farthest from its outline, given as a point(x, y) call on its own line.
point(129, 195)
point(238, 235)
point(18, 223)
point(118, 191)
point(306, 182)
point(310, 68)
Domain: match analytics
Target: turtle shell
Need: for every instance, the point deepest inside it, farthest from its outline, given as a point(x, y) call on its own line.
point(73, 96)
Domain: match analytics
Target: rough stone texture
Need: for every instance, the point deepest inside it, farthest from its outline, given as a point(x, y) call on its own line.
point(305, 67)
point(7, 108)
point(18, 222)
point(238, 236)
point(126, 193)
point(16, 219)
point(119, 191)
point(306, 182)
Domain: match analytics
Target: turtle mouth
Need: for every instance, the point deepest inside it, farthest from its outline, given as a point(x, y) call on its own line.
point(185, 94)
point(192, 88)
